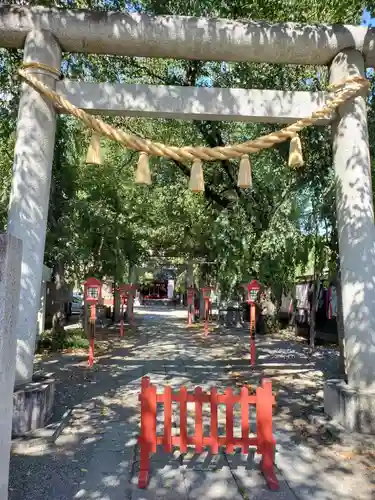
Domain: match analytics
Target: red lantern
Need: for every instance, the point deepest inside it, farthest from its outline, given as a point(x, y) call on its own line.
point(92, 290)
point(253, 289)
point(92, 295)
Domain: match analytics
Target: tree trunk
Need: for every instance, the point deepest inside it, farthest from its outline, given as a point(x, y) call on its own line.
point(132, 281)
point(116, 303)
point(59, 301)
point(315, 296)
point(267, 312)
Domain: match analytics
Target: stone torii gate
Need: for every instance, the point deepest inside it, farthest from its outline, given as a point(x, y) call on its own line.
point(348, 50)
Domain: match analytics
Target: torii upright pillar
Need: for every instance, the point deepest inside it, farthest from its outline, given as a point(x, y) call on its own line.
point(352, 403)
point(29, 198)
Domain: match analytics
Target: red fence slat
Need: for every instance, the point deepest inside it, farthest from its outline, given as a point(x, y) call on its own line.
point(214, 422)
point(266, 442)
point(198, 420)
point(148, 429)
point(229, 420)
point(168, 419)
point(245, 418)
point(183, 419)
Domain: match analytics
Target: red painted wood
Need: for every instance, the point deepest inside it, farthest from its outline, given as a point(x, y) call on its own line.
point(93, 313)
point(183, 419)
point(252, 340)
point(198, 420)
point(91, 352)
point(168, 419)
point(214, 422)
point(207, 440)
point(206, 398)
point(245, 419)
point(146, 428)
point(264, 441)
point(229, 420)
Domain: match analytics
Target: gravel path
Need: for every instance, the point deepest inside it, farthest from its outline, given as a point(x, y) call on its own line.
point(96, 455)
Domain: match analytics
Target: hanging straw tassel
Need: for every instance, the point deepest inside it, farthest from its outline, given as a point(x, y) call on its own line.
point(244, 174)
point(94, 154)
point(143, 174)
point(196, 183)
point(295, 152)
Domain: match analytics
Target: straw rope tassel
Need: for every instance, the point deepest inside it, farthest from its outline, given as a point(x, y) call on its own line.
point(196, 183)
point(244, 174)
point(94, 154)
point(295, 152)
point(143, 173)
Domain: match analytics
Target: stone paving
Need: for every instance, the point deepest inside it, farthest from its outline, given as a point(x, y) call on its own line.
point(96, 456)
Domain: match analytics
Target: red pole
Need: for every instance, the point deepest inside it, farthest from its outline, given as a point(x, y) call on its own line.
point(92, 335)
point(205, 317)
point(122, 316)
point(148, 430)
point(252, 328)
point(266, 442)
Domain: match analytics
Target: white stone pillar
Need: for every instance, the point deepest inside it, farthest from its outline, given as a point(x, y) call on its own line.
point(355, 220)
point(29, 199)
point(10, 270)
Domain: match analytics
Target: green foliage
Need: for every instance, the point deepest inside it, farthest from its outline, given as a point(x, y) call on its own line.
point(100, 222)
point(72, 339)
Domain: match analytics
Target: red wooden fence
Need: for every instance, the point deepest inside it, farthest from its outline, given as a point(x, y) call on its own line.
point(264, 441)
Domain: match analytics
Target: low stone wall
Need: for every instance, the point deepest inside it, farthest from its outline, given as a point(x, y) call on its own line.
point(33, 404)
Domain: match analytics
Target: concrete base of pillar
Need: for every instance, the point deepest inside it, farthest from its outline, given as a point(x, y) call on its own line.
point(33, 405)
point(351, 408)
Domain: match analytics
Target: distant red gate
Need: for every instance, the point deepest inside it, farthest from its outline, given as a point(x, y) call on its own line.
point(264, 440)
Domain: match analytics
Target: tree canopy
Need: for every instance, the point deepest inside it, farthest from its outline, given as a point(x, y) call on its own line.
point(100, 222)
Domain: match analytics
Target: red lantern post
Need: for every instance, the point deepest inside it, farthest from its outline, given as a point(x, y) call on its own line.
point(253, 289)
point(92, 295)
point(206, 291)
point(190, 302)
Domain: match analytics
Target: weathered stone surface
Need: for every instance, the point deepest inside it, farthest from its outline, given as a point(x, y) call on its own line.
point(183, 37)
point(193, 103)
point(355, 225)
point(33, 405)
point(353, 409)
point(10, 268)
point(29, 197)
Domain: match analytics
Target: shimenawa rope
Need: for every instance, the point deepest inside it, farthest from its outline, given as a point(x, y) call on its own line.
point(341, 93)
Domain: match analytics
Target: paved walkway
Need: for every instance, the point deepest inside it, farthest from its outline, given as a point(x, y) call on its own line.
point(96, 456)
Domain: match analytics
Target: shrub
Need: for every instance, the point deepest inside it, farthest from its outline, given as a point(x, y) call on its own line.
point(74, 339)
